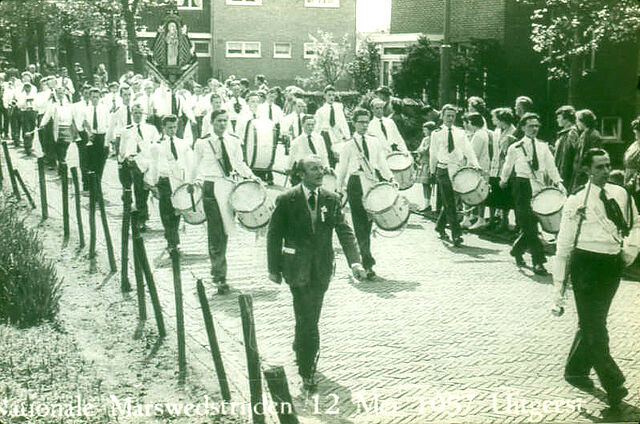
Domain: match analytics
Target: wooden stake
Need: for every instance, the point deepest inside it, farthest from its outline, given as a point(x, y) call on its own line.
point(24, 188)
point(137, 267)
point(177, 290)
point(65, 202)
point(125, 286)
point(148, 276)
point(12, 177)
point(213, 342)
point(253, 358)
point(105, 228)
point(76, 192)
point(92, 221)
point(277, 383)
point(43, 189)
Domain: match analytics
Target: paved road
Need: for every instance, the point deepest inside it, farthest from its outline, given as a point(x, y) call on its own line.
point(445, 335)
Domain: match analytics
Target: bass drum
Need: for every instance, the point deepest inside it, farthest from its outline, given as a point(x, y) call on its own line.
point(389, 210)
point(251, 204)
point(261, 144)
point(187, 201)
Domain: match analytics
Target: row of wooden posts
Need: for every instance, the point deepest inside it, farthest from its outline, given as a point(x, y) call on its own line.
point(275, 376)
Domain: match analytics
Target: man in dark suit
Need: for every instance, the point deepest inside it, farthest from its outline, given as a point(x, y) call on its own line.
point(299, 247)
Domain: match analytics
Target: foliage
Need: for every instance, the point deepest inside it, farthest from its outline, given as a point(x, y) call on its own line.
point(365, 68)
point(29, 286)
point(421, 65)
point(329, 64)
point(566, 30)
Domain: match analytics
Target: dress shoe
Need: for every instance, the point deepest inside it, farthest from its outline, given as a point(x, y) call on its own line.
point(309, 384)
point(614, 397)
point(457, 241)
point(222, 286)
point(143, 227)
point(539, 269)
point(371, 274)
point(582, 382)
point(557, 311)
point(442, 234)
point(519, 259)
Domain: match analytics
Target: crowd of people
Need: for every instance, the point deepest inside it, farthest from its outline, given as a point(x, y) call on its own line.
point(210, 137)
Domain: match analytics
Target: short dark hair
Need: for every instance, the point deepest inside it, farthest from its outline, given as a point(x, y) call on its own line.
point(474, 119)
point(504, 114)
point(587, 160)
point(635, 124)
point(169, 118)
point(587, 117)
point(306, 117)
point(360, 112)
point(567, 112)
point(245, 82)
point(216, 113)
point(527, 117)
point(449, 107)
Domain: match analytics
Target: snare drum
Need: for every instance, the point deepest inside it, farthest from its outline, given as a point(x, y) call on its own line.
point(250, 202)
point(471, 186)
point(261, 145)
point(547, 205)
point(403, 169)
point(389, 209)
point(187, 201)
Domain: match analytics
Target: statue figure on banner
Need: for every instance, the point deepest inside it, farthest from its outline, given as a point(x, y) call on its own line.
point(172, 44)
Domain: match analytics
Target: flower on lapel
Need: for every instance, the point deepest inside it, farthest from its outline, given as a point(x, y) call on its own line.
point(323, 211)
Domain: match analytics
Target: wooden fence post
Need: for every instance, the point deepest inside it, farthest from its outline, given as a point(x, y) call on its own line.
point(12, 177)
point(105, 227)
point(125, 286)
point(76, 194)
point(253, 357)
point(177, 290)
point(65, 202)
point(277, 383)
point(92, 221)
point(43, 189)
point(137, 266)
point(24, 188)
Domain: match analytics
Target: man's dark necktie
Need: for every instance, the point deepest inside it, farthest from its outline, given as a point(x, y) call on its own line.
point(384, 130)
point(95, 119)
point(226, 163)
point(490, 147)
point(311, 146)
point(534, 161)
point(141, 137)
point(236, 105)
point(174, 152)
point(174, 104)
point(365, 149)
point(299, 125)
point(129, 116)
point(312, 201)
point(450, 140)
point(271, 112)
point(614, 213)
point(332, 116)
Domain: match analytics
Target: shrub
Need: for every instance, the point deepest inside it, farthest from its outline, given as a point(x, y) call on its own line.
point(29, 286)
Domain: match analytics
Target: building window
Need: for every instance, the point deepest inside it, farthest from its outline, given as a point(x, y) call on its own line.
point(312, 49)
point(322, 3)
point(611, 128)
point(282, 50)
point(51, 55)
point(244, 2)
point(243, 49)
point(202, 48)
point(189, 4)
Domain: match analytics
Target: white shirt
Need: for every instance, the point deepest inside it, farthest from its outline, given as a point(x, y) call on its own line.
point(352, 160)
point(22, 97)
point(519, 160)
point(462, 154)
point(229, 106)
point(291, 124)
point(138, 136)
point(168, 166)
point(80, 112)
point(208, 162)
point(500, 145)
point(276, 112)
point(393, 135)
point(323, 120)
point(300, 149)
point(103, 118)
point(480, 145)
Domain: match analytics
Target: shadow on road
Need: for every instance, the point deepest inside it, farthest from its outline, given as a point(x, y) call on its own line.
point(331, 403)
point(383, 287)
point(625, 413)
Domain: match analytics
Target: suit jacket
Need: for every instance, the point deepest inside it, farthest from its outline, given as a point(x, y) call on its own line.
point(302, 255)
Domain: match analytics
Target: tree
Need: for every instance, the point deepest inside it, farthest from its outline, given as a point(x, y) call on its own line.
point(567, 31)
point(329, 63)
point(365, 69)
point(419, 70)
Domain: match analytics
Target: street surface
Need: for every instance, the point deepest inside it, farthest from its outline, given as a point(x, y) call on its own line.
point(443, 335)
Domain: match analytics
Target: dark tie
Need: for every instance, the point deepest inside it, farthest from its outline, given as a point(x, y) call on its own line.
point(174, 152)
point(141, 137)
point(271, 112)
point(236, 105)
point(490, 146)
point(311, 146)
point(95, 118)
point(312, 201)
point(332, 116)
point(614, 213)
point(129, 116)
point(384, 130)
point(174, 104)
point(450, 140)
point(299, 125)
point(226, 163)
point(365, 148)
point(534, 160)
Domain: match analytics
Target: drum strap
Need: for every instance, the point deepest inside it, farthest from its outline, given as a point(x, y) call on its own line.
point(533, 173)
point(370, 169)
point(327, 146)
point(225, 164)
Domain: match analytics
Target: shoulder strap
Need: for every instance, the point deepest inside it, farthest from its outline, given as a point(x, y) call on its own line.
point(582, 216)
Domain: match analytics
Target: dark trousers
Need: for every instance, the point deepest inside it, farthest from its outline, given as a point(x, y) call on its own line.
point(361, 221)
point(61, 152)
point(14, 120)
point(215, 233)
point(448, 213)
point(47, 143)
point(129, 175)
point(170, 220)
point(4, 120)
point(525, 219)
point(84, 158)
point(307, 304)
point(97, 155)
point(595, 278)
point(28, 124)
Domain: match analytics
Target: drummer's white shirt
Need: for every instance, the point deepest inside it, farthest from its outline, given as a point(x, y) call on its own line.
point(181, 168)
point(207, 164)
point(393, 135)
point(462, 154)
point(521, 163)
point(300, 149)
point(350, 160)
point(131, 140)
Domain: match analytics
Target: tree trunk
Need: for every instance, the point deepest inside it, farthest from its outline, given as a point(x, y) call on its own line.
point(112, 50)
point(41, 44)
point(17, 51)
point(67, 45)
point(574, 79)
point(132, 38)
point(89, 53)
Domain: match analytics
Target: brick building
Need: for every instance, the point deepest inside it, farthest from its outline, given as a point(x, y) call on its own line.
point(609, 88)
